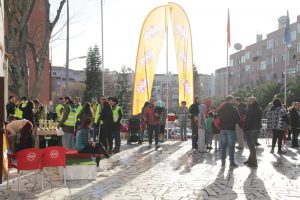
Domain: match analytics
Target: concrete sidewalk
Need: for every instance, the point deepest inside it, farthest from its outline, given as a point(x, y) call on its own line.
point(173, 172)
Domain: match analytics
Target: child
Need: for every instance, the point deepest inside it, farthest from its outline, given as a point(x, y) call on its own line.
point(209, 122)
point(216, 131)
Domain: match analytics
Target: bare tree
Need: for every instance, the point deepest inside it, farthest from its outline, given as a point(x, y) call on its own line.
point(19, 38)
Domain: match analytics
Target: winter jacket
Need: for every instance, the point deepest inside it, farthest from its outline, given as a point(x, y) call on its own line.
point(253, 117)
point(276, 116)
point(10, 108)
point(183, 114)
point(194, 110)
point(82, 138)
point(295, 118)
point(229, 117)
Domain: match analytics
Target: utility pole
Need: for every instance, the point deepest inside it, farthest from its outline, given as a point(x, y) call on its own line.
point(102, 46)
point(67, 52)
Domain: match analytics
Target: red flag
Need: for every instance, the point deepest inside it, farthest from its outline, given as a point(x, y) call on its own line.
point(228, 30)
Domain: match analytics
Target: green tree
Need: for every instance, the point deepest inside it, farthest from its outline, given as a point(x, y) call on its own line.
point(122, 90)
point(294, 91)
point(25, 40)
point(197, 86)
point(93, 73)
point(245, 92)
point(267, 92)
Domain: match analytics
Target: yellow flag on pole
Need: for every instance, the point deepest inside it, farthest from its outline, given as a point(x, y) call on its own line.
point(184, 53)
point(150, 43)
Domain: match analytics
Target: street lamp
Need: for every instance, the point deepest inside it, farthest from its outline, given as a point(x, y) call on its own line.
point(67, 78)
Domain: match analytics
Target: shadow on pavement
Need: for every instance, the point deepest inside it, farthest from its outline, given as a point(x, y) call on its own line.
point(285, 167)
point(221, 188)
point(254, 187)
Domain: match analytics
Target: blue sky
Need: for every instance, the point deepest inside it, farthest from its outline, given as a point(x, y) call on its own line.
point(208, 20)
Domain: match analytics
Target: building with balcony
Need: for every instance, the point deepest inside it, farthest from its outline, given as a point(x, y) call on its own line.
point(263, 61)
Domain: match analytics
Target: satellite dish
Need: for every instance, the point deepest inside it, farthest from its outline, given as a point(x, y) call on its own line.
point(282, 19)
point(238, 46)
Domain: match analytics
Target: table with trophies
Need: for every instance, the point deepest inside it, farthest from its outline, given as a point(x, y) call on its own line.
point(47, 134)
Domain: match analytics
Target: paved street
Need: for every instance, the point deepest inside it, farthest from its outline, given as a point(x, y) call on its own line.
point(174, 172)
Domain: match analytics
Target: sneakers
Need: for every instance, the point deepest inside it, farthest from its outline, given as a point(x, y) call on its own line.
point(240, 148)
point(281, 152)
point(249, 164)
point(233, 165)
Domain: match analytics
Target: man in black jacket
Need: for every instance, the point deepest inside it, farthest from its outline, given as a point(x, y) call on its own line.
point(229, 117)
point(251, 128)
point(194, 111)
point(10, 106)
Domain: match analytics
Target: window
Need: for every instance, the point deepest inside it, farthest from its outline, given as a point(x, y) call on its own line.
point(291, 71)
point(247, 55)
point(231, 62)
point(262, 66)
point(270, 44)
point(258, 53)
point(298, 47)
point(293, 33)
point(243, 59)
point(54, 73)
point(247, 68)
point(298, 66)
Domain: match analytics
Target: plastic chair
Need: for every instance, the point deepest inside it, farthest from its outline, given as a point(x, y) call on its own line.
point(29, 159)
point(55, 157)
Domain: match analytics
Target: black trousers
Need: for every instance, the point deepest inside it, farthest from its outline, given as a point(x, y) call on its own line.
point(277, 134)
point(194, 126)
point(98, 149)
point(295, 135)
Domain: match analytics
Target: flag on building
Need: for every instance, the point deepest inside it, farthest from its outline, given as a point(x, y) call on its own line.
point(287, 32)
point(228, 30)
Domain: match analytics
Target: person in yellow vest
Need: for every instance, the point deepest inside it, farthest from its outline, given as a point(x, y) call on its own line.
point(77, 102)
point(94, 105)
point(67, 123)
point(18, 111)
point(117, 116)
point(98, 124)
point(59, 109)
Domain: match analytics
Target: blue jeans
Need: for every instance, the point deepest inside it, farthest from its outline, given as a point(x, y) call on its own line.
point(117, 136)
point(228, 139)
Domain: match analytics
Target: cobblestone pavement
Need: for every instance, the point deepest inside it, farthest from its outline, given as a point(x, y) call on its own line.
point(173, 172)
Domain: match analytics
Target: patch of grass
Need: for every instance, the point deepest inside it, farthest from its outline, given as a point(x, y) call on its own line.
point(80, 161)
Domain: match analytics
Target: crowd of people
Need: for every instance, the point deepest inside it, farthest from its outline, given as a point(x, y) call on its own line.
point(93, 127)
point(234, 121)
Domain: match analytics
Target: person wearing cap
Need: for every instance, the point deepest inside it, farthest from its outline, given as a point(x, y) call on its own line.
point(153, 121)
point(117, 116)
point(252, 127)
point(67, 123)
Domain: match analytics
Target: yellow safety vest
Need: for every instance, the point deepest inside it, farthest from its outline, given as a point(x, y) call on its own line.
point(78, 109)
point(58, 111)
point(19, 112)
point(116, 112)
point(97, 114)
point(71, 120)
